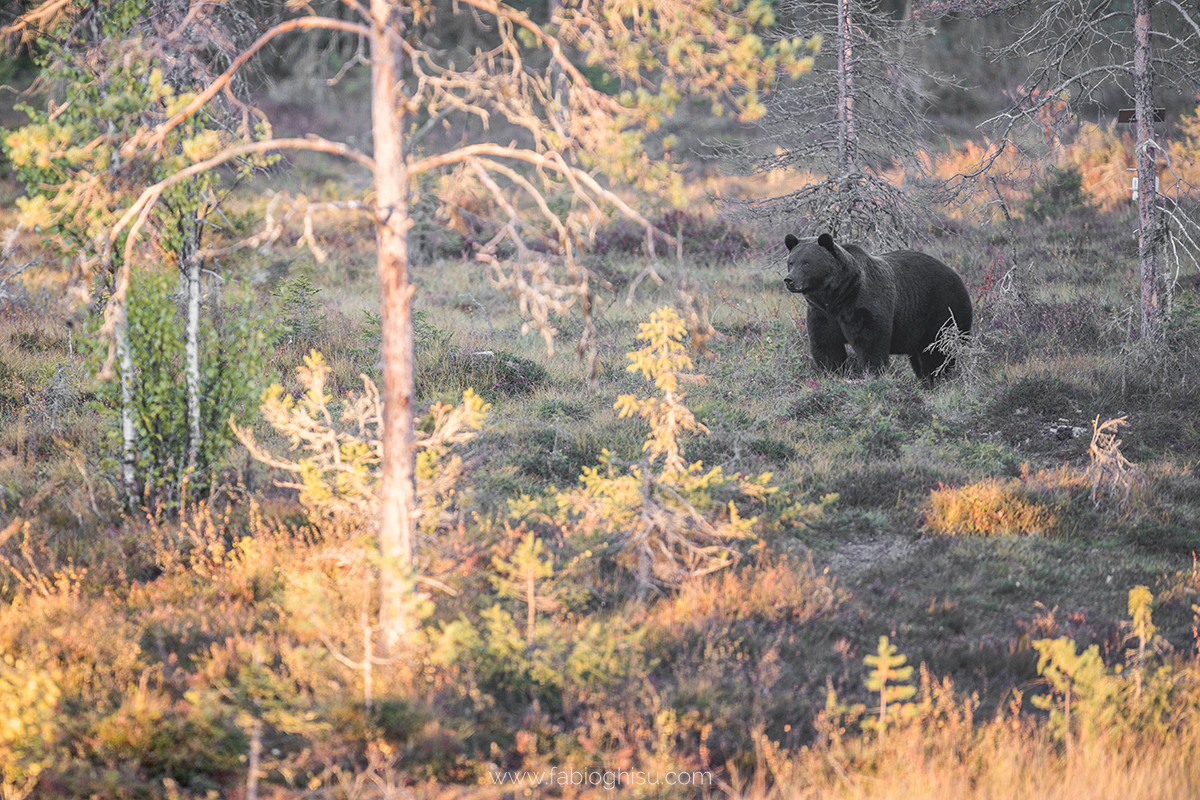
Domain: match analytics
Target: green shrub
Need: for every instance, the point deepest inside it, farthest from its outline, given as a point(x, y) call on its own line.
point(1057, 194)
point(233, 348)
point(299, 312)
point(445, 371)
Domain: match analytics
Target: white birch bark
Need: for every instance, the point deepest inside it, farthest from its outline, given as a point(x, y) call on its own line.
point(191, 267)
point(128, 435)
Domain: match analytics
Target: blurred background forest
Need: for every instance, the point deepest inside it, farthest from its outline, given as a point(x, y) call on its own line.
point(652, 539)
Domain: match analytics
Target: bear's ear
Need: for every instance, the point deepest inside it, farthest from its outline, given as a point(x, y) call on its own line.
point(826, 241)
point(790, 241)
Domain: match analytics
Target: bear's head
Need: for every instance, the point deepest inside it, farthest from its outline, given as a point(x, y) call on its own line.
point(821, 271)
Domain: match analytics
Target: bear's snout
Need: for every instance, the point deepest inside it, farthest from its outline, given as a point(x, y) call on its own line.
point(791, 287)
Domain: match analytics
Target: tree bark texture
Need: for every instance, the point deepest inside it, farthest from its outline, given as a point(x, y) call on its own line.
point(190, 264)
point(847, 135)
point(398, 494)
point(255, 760)
point(128, 437)
point(1147, 172)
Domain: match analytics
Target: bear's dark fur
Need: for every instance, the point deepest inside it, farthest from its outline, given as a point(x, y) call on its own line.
point(879, 305)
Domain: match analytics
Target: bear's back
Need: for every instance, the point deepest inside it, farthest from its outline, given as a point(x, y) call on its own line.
point(927, 292)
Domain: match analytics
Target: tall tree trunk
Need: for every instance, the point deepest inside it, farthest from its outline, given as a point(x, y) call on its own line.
point(190, 263)
point(847, 133)
point(255, 760)
point(128, 435)
point(1147, 172)
point(398, 494)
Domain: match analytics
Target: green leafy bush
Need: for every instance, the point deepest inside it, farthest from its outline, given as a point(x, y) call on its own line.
point(233, 346)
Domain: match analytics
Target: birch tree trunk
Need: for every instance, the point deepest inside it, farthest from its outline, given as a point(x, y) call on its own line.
point(129, 449)
point(191, 269)
point(1147, 173)
point(398, 494)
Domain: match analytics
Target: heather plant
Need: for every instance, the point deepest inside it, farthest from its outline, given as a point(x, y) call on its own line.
point(990, 507)
point(29, 705)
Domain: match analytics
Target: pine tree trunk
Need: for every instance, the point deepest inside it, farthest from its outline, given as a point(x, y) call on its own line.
point(398, 496)
point(1147, 172)
point(847, 134)
point(255, 760)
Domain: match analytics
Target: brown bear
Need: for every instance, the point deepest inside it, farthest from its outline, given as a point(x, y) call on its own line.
point(879, 305)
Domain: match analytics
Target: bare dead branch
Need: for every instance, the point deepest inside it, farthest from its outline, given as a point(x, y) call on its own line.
point(156, 138)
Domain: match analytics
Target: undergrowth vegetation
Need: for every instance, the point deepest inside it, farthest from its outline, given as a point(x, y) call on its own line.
point(717, 562)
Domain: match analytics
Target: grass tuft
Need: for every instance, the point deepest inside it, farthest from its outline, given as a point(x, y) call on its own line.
point(990, 507)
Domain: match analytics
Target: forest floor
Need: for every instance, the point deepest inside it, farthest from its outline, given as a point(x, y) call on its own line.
point(1007, 438)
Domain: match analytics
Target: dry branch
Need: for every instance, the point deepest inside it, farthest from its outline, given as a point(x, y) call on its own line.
point(155, 139)
point(142, 207)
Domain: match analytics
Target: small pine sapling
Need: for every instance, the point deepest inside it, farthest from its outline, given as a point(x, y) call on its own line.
point(888, 677)
point(338, 481)
point(668, 523)
point(339, 489)
point(1083, 693)
point(300, 311)
point(518, 576)
point(1140, 600)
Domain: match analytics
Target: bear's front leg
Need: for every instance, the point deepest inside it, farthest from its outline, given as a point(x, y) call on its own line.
point(871, 340)
point(871, 356)
point(826, 341)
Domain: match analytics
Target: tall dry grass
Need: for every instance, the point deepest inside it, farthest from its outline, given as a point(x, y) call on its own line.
point(944, 752)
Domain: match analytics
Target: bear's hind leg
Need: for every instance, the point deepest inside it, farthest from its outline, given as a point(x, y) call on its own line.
point(915, 362)
point(927, 365)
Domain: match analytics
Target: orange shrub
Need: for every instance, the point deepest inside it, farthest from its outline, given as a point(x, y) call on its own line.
point(981, 196)
point(991, 507)
point(1184, 175)
point(1102, 156)
point(787, 589)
